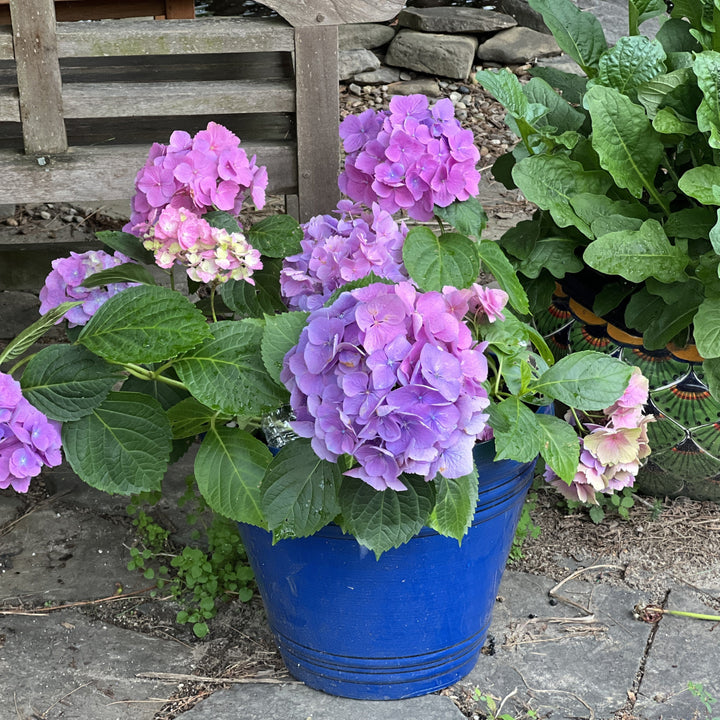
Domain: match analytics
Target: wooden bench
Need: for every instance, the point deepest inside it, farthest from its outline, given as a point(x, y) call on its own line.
point(69, 10)
point(89, 97)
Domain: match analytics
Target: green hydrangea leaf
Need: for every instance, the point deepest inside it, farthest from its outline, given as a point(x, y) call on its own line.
point(455, 505)
point(281, 334)
point(223, 220)
point(127, 272)
point(127, 244)
point(144, 324)
point(67, 382)
point(467, 217)
point(515, 429)
point(122, 447)
point(262, 298)
point(189, 418)
point(277, 236)
point(496, 262)
point(560, 448)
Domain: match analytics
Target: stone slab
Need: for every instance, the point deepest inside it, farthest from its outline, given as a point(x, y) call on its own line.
point(63, 665)
point(454, 20)
point(364, 35)
point(557, 665)
point(683, 651)
point(295, 701)
point(441, 55)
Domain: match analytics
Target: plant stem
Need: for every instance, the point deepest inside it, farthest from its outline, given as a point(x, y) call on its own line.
point(212, 302)
point(698, 616)
point(21, 362)
point(144, 374)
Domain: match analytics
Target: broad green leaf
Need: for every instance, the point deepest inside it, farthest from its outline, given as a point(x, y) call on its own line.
point(598, 207)
point(631, 62)
point(520, 239)
point(467, 217)
point(227, 372)
point(167, 395)
point(561, 115)
point(299, 492)
point(571, 86)
point(641, 10)
point(127, 272)
point(505, 87)
point(707, 328)
point(714, 234)
point(676, 89)
point(585, 380)
point(224, 220)
point(122, 447)
point(702, 183)
point(144, 324)
point(642, 309)
point(673, 318)
point(127, 244)
point(615, 223)
point(610, 296)
point(560, 447)
point(579, 34)
point(189, 418)
point(262, 298)
point(229, 468)
point(25, 339)
point(516, 431)
point(494, 259)
point(66, 382)
point(674, 35)
point(555, 254)
point(370, 279)
point(626, 143)
point(385, 519)
point(707, 70)
point(281, 333)
point(690, 9)
point(668, 122)
point(694, 223)
point(638, 254)
point(455, 505)
point(277, 236)
point(433, 262)
point(551, 181)
point(711, 376)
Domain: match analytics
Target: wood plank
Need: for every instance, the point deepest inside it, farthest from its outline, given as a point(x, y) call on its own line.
point(173, 37)
point(102, 174)
point(9, 105)
point(316, 68)
point(179, 9)
point(119, 99)
point(38, 74)
point(310, 13)
point(7, 51)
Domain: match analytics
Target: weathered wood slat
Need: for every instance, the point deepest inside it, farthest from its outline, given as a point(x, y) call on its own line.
point(9, 107)
point(173, 37)
point(6, 43)
point(38, 75)
point(91, 174)
point(309, 13)
point(88, 100)
point(317, 116)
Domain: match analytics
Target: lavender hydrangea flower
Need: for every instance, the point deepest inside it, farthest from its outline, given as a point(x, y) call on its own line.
point(412, 157)
point(64, 283)
point(28, 440)
point(378, 375)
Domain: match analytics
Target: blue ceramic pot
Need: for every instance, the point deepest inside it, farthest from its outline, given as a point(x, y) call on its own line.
point(408, 624)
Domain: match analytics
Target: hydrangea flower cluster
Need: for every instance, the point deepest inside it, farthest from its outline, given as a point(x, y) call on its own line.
point(611, 452)
point(411, 157)
point(339, 250)
point(394, 378)
point(209, 254)
point(28, 440)
point(64, 283)
point(209, 170)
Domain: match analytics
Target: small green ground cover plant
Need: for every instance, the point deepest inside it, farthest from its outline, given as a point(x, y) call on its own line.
point(699, 691)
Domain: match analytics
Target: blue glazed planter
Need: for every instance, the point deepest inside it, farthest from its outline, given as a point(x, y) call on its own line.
point(405, 625)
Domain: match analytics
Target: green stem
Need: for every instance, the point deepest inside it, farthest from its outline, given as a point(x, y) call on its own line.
point(698, 616)
point(142, 373)
point(20, 363)
point(212, 302)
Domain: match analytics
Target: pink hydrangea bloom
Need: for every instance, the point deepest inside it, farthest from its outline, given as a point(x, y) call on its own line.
point(28, 440)
point(411, 157)
point(204, 172)
point(377, 376)
point(64, 283)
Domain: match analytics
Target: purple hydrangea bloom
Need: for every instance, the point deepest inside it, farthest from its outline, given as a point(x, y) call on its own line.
point(64, 283)
point(28, 440)
point(412, 157)
point(378, 375)
point(338, 250)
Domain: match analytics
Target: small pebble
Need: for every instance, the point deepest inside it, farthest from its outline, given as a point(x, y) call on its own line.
point(68, 218)
point(354, 89)
point(12, 222)
point(45, 215)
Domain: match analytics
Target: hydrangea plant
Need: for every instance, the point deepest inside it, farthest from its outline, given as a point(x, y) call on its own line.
point(375, 337)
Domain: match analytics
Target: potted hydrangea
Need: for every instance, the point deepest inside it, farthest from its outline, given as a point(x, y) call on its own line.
point(368, 412)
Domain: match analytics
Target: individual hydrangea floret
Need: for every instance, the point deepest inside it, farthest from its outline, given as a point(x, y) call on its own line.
point(611, 451)
point(394, 378)
point(209, 254)
point(411, 157)
point(204, 172)
point(28, 440)
point(65, 283)
point(338, 250)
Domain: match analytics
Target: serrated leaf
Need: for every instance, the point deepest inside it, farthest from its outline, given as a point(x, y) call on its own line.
point(495, 260)
point(516, 430)
point(638, 254)
point(122, 447)
point(144, 324)
point(370, 279)
point(127, 244)
point(385, 519)
point(585, 380)
point(631, 62)
point(281, 333)
point(257, 300)
point(560, 447)
point(67, 382)
point(127, 272)
point(299, 492)
point(550, 181)
point(223, 220)
point(25, 339)
point(628, 146)
point(229, 468)
point(189, 418)
point(277, 236)
point(707, 70)
point(227, 372)
point(702, 183)
point(579, 34)
point(436, 261)
point(455, 505)
point(467, 217)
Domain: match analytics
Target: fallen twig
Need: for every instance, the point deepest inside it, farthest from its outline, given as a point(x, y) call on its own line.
point(40, 612)
point(179, 677)
point(554, 591)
